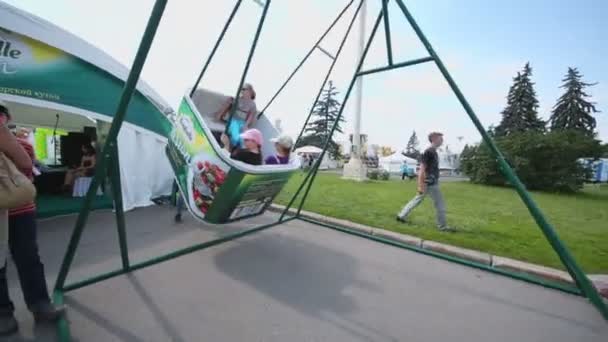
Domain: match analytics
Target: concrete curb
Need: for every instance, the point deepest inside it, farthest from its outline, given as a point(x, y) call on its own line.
point(403, 238)
point(463, 253)
point(600, 281)
point(537, 270)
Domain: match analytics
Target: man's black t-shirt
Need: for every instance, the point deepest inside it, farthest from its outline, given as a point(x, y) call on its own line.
point(430, 159)
point(247, 157)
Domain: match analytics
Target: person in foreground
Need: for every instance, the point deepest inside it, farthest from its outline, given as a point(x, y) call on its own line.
point(428, 184)
point(251, 151)
point(22, 243)
point(283, 145)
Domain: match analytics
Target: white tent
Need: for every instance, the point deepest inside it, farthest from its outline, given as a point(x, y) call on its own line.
point(308, 149)
point(326, 163)
point(601, 170)
point(598, 168)
point(393, 162)
point(51, 77)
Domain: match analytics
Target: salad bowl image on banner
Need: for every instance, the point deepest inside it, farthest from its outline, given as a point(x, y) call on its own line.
point(205, 177)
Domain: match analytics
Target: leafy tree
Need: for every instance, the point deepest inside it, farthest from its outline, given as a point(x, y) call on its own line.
point(542, 161)
point(324, 115)
point(573, 111)
point(520, 114)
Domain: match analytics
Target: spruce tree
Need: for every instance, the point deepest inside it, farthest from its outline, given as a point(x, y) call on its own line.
point(521, 112)
point(412, 149)
point(573, 111)
point(325, 113)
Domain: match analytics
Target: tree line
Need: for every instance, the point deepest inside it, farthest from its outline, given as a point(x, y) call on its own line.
point(545, 154)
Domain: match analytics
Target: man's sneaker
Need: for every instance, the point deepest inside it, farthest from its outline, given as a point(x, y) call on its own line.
point(47, 312)
point(400, 219)
point(178, 218)
point(447, 229)
point(8, 324)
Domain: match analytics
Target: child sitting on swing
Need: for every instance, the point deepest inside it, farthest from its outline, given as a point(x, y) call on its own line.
point(283, 145)
point(251, 150)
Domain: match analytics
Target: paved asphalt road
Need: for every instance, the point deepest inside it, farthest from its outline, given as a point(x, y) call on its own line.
point(295, 282)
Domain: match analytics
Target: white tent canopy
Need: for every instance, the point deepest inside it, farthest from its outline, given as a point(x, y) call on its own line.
point(393, 162)
point(326, 163)
point(53, 72)
point(308, 149)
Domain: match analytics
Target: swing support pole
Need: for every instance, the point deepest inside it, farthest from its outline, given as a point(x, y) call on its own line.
point(314, 47)
point(329, 71)
point(575, 271)
point(109, 163)
point(110, 144)
point(583, 283)
point(216, 46)
point(313, 172)
point(256, 38)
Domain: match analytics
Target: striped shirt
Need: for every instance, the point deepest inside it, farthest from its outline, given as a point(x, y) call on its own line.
point(29, 173)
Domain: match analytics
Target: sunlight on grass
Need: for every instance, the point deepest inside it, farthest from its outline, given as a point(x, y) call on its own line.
point(489, 219)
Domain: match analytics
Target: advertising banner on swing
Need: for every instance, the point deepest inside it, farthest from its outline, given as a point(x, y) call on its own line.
point(215, 191)
point(32, 69)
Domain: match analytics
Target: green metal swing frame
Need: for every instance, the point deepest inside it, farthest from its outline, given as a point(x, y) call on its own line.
point(109, 165)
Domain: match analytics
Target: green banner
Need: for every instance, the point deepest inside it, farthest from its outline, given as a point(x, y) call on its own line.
point(33, 69)
point(215, 191)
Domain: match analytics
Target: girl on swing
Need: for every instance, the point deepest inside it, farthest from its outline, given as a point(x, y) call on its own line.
point(243, 117)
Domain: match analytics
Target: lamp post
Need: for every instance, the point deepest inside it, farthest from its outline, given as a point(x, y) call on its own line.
point(355, 169)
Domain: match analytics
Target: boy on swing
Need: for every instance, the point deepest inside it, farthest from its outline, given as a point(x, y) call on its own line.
point(428, 184)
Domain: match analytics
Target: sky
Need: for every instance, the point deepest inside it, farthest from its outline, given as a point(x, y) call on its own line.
point(482, 43)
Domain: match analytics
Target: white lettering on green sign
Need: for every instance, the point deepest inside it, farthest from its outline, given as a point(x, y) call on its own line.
point(179, 145)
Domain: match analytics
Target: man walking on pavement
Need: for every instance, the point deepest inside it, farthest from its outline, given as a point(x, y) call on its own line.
point(428, 184)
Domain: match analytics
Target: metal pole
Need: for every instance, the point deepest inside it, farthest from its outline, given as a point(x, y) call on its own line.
point(342, 43)
point(329, 71)
point(121, 111)
point(119, 208)
point(63, 328)
point(249, 58)
point(396, 66)
point(562, 251)
point(333, 129)
point(326, 53)
point(217, 44)
point(387, 33)
point(171, 255)
point(307, 55)
point(359, 104)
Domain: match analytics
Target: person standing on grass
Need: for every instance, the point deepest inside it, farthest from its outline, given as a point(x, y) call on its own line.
point(428, 184)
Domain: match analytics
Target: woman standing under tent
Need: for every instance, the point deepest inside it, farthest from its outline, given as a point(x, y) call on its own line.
point(85, 169)
point(22, 242)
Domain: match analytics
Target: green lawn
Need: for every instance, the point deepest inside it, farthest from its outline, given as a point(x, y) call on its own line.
point(489, 219)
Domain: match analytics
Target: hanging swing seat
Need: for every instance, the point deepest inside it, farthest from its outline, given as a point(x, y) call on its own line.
point(219, 189)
